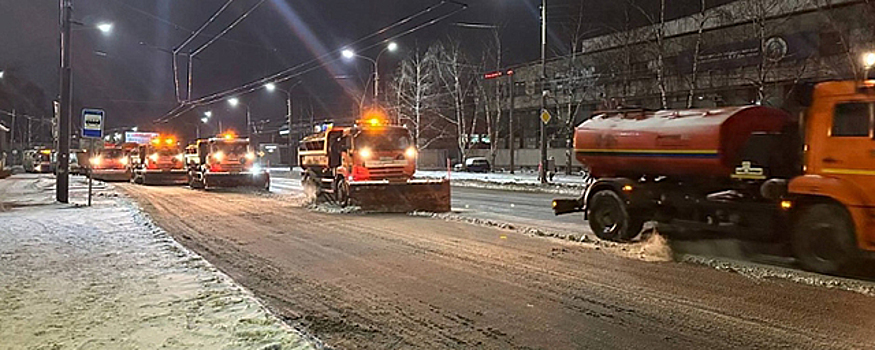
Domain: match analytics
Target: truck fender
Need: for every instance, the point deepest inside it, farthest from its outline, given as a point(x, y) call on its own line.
point(613, 184)
point(844, 192)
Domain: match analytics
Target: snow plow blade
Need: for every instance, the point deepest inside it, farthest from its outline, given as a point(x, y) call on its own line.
point(165, 178)
point(401, 197)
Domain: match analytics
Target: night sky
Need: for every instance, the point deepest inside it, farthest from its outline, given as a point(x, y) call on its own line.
point(128, 72)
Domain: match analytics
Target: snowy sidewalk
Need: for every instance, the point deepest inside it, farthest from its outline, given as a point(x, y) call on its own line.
point(105, 277)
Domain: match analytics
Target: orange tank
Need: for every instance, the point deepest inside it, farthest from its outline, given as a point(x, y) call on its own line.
point(677, 143)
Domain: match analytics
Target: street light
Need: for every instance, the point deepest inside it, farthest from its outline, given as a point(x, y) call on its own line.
point(868, 63)
point(2, 73)
point(236, 101)
point(208, 114)
point(271, 87)
point(350, 54)
point(105, 28)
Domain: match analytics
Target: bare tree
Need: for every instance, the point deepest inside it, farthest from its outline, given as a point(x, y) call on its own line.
point(417, 93)
point(457, 81)
point(657, 47)
point(766, 25)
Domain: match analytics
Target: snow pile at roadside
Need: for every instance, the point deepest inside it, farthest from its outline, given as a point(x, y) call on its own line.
point(561, 184)
point(105, 277)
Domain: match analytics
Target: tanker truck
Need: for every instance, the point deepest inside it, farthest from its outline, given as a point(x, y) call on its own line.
point(370, 165)
point(806, 180)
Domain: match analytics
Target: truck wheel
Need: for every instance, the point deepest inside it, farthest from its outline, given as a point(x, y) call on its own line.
point(610, 219)
point(823, 239)
point(341, 192)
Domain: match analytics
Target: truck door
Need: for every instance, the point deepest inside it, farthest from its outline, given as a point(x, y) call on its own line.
point(849, 150)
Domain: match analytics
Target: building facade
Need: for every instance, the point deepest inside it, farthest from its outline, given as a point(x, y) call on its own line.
point(745, 52)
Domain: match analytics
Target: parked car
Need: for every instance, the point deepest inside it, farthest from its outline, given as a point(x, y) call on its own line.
point(477, 165)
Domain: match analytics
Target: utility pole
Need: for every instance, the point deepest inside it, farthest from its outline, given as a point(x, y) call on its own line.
point(510, 121)
point(542, 173)
point(292, 150)
point(63, 181)
point(12, 131)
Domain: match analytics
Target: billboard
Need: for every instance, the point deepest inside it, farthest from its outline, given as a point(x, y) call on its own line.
point(142, 138)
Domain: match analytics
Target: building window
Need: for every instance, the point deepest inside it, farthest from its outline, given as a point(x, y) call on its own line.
point(852, 120)
point(519, 88)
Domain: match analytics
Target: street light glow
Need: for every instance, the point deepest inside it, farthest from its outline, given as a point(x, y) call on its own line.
point(105, 28)
point(1, 74)
point(205, 120)
point(270, 87)
point(392, 46)
point(869, 59)
point(348, 53)
point(208, 114)
point(234, 101)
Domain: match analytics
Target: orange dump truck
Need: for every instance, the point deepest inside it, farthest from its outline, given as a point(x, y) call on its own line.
point(370, 165)
point(752, 172)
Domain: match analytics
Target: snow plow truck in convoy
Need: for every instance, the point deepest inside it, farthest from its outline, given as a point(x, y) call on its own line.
point(224, 161)
point(110, 164)
point(752, 172)
point(161, 162)
point(370, 165)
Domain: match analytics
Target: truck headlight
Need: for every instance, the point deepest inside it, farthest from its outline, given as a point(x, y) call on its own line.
point(219, 156)
point(410, 153)
point(365, 153)
point(123, 160)
point(250, 156)
point(180, 157)
point(154, 157)
point(95, 161)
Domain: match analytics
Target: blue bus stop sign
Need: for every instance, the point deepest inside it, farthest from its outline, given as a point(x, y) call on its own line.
point(92, 123)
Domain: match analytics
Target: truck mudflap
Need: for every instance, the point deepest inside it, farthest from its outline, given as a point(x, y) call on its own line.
point(243, 179)
point(173, 177)
point(110, 175)
point(401, 197)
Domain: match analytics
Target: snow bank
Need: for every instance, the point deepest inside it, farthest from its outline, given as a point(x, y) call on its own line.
point(523, 181)
point(106, 277)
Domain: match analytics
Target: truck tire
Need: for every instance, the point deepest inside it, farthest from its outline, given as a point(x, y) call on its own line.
point(610, 219)
point(823, 239)
point(341, 192)
point(194, 183)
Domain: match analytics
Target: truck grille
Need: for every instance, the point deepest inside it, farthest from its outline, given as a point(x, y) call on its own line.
point(386, 173)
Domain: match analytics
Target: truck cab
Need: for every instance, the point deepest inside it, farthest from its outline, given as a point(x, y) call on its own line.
point(158, 163)
point(225, 161)
point(110, 164)
point(837, 189)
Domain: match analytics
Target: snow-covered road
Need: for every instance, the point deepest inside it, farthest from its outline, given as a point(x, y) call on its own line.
point(105, 277)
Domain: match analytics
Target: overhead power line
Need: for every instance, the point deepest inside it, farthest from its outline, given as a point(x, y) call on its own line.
point(315, 63)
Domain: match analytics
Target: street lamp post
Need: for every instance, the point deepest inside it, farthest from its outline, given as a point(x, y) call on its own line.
point(542, 172)
point(62, 184)
point(291, 137)
point(350, 54)
point(234, 102)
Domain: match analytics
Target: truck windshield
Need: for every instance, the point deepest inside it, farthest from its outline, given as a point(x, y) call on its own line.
point(383, 140)
point(111, 153)
point(230, 148)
